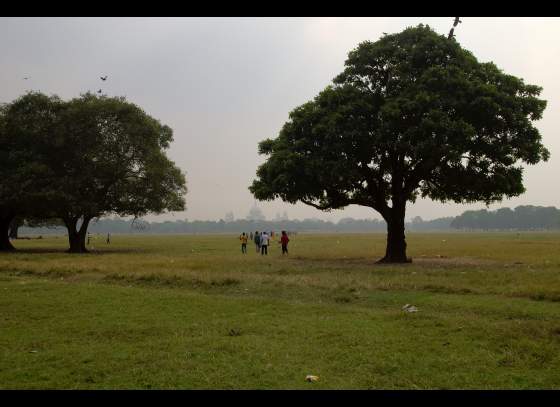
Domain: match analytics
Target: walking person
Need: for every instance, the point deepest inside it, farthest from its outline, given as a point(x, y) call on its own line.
point(257, 241)
point(108, 238)
point(284, 242)
point(243, 239)
point(264, 243)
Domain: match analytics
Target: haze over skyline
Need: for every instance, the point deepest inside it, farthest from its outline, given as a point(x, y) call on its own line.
point(224, 84)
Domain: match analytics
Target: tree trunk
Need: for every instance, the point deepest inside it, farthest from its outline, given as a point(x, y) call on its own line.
point(14, 226)
point(5, 244)
point(396, 242)
point(77, 237)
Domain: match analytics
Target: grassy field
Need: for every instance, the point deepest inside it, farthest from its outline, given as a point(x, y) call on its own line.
point(193, 312)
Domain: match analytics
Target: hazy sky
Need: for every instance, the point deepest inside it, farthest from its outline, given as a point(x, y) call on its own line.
point(225, 84)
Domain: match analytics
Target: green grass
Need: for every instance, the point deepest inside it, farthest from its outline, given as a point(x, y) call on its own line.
point(193, 312)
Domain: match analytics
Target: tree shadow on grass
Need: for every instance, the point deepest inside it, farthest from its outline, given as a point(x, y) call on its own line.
point(421, 261)
point(50, 250)
point(336, 262)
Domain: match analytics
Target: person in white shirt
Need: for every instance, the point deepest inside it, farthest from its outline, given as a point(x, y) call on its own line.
point(264, 243)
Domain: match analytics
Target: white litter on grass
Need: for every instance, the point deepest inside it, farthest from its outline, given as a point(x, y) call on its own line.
point(410, 308)
point(311, 378)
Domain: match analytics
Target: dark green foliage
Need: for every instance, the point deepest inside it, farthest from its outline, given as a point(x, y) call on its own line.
point(114, 160)
point(85, 158)
point(412, 114)
point(25, 178)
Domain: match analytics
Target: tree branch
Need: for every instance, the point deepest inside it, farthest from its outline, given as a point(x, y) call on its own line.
point(320, 207)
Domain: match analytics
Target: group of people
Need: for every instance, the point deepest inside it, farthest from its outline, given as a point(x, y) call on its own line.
point(262, 240)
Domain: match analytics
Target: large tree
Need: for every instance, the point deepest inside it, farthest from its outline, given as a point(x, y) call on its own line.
point(412, 114)
point(112, 161)
point(26, 183)
point(93, 156)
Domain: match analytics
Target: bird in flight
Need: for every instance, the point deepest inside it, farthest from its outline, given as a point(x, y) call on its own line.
point(103, 78)
point(456, 22)
point(451, 34)
point(26, 78)
point(99, 91)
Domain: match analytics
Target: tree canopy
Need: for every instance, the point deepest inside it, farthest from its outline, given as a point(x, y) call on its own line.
point(412, 114)
point(26, 180)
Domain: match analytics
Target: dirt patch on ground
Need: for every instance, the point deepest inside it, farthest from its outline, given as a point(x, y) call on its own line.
point(450, 261)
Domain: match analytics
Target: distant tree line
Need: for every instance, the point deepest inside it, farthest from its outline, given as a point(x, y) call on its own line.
point(520, 218)
point(119, 225)
point(526, 217)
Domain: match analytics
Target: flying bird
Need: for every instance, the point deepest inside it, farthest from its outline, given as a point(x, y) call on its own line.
point(103, 78)
point(99, 91)
point(26, 78)
point(451, 34)
point(456, 22)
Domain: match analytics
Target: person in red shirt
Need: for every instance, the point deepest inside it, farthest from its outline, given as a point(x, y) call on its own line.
point(284, 242)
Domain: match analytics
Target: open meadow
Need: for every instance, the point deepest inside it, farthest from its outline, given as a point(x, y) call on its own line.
point(191, 312)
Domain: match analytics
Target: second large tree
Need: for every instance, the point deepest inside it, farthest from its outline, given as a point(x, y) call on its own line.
point(112, 160)
point(413, 114)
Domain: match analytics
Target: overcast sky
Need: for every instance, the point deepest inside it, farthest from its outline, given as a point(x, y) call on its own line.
point(224, 84)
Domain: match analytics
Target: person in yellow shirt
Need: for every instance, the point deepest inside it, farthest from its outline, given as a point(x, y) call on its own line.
point(243, 239)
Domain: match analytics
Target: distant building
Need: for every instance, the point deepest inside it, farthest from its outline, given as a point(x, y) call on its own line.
point(255, 213)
